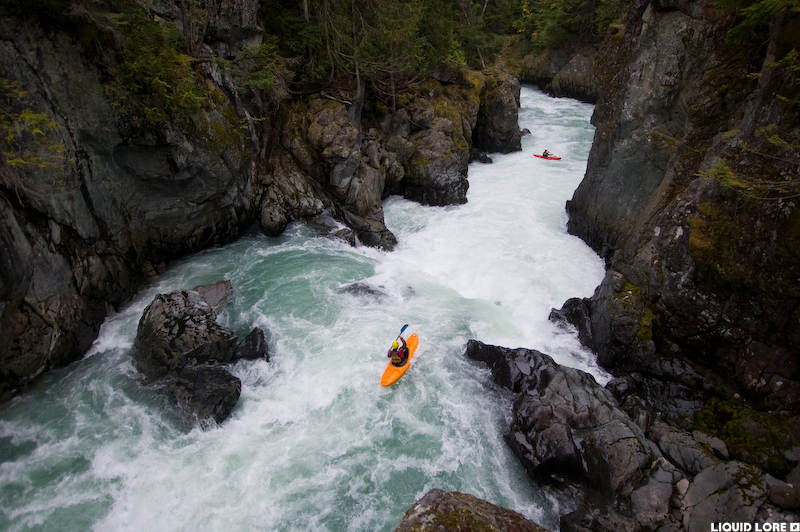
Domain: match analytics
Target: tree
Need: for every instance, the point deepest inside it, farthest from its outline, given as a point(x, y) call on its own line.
point(27, 147)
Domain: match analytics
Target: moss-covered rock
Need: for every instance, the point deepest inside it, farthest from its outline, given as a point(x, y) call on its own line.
point(440, 511)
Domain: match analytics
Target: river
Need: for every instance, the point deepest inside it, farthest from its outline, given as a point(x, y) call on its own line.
point(315, 443)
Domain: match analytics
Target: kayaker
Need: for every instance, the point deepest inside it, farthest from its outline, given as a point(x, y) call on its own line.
point(545, 153)
point(398, 354)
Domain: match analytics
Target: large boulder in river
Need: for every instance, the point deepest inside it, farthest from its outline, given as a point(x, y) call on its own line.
point(440, 511)
point(567, 425)
point(178, 329)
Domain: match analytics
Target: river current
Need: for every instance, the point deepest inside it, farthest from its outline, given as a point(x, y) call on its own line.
point(315, 443)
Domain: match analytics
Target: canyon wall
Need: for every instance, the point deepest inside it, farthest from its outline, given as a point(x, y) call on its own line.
point(117, 186)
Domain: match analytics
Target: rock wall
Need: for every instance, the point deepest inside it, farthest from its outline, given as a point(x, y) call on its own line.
point(570, 73)
point(123, 205)
point(127, 199)
point(702, 251)
point(694, 210)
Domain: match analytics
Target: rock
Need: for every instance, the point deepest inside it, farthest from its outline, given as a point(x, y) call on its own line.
point(565, 73)
point(377, 293)
point(576, 79)
point(254, 346)
point(558, 407)
point(497, 128)
point(217, 295)
point(439, 511)
point(201, 394)
point(716, 445)
point(681, 448)
point(650, 503)
point(125, 199)
point(444, 73)
point(708, 275)
point(615, 457)
point(726, 492)
point(436, 174)
point(178, 329)
point(782, 494)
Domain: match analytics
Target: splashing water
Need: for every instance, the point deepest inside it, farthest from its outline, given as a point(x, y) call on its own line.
point(315, 443)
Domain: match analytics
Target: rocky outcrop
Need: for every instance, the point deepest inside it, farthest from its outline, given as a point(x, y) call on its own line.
point(128, 197)
point(694, 210)
point(440, 511)
point(633, 472)
point(180, 349)
point(497, 130)
point(568, 73)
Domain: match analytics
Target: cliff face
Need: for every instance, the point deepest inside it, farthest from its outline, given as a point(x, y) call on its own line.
point(122, 203)
point(691, 196)
point(130, 192)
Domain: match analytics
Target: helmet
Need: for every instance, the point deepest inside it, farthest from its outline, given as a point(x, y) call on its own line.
point(395, 345)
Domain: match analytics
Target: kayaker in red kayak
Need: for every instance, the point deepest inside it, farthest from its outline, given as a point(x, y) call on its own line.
point(398, 354)
point(545, 153)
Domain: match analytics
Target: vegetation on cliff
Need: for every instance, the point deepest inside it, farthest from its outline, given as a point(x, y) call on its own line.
point(27, 144)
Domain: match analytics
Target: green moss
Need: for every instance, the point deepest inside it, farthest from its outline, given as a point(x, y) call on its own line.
point(751, 436)
point(646, 325)
point(629, 294)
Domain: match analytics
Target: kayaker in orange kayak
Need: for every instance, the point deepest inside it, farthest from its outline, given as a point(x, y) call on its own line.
point(398, 354)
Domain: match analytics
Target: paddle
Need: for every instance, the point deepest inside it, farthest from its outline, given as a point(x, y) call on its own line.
point(401, 330)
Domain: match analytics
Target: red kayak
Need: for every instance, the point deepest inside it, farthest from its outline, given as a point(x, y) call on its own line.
point(549, 157)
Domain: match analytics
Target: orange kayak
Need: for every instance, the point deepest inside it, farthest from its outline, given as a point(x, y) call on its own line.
point(393, 373)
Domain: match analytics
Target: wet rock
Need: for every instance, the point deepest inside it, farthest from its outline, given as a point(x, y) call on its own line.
point(177, 329)
point(497, 129)
point(782, 494)
point(201, 394)
point(440, 511)
point(651, 502)
point(253, 347)
point(377, 293)
point(179, 348)
point(218, 295)
point(556, 408)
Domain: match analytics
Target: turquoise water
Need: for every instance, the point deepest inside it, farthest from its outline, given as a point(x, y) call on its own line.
point(315, 443)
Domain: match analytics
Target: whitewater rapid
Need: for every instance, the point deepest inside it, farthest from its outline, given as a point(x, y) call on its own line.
point(315, 443)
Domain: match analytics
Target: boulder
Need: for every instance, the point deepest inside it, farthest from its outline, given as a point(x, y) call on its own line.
point(365, 290)
point(179, 348)
point(682, 448)
point(440, 511)
point(565, 424)
point(497, 128)
point(201, 394)
point(178, 329)
point(253, 347)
